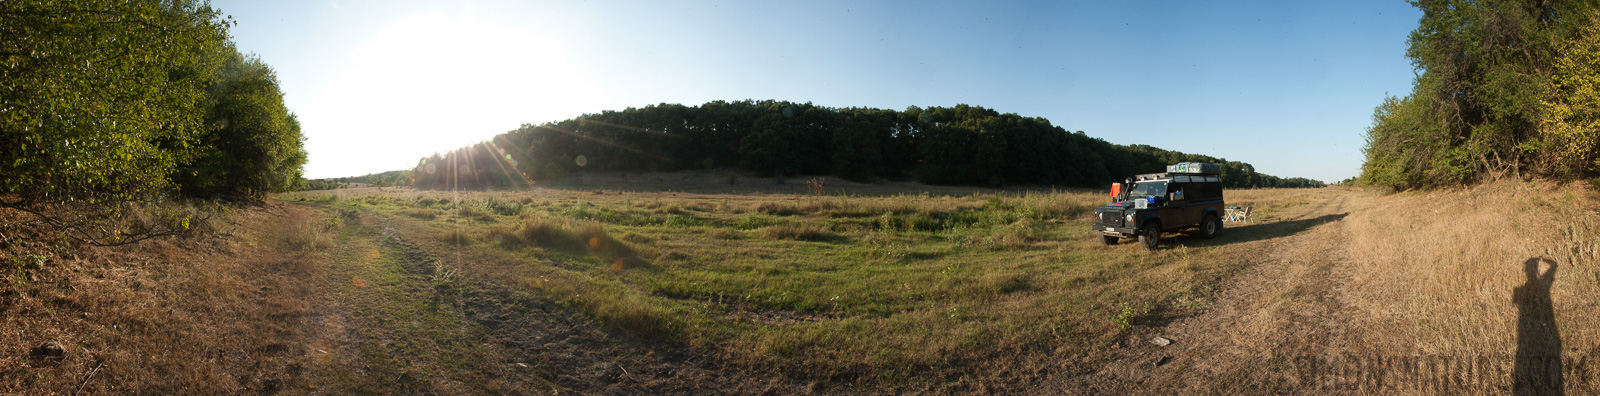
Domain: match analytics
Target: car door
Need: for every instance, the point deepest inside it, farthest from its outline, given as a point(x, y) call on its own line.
point(1179, 211)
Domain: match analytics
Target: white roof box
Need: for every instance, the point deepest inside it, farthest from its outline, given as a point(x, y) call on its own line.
point(1195, 168)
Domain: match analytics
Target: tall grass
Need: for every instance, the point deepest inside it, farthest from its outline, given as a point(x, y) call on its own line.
point(303, 231)
point(1448, 263)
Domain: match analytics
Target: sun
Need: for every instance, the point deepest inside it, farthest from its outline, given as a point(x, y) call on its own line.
point(437, 79)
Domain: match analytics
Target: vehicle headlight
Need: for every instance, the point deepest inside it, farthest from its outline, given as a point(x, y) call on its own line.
point(1130, 218)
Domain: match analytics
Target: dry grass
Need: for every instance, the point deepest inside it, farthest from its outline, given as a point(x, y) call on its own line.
point(1442, 267)
point(298, 230)
point(942, 278)
point(803, 232)
point(421, 213)
point(949, 280)
point(197, 315)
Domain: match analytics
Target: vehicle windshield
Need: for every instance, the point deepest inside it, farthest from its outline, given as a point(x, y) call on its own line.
point(1149, 189)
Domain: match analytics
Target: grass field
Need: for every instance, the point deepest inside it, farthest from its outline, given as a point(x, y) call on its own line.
point(605, 286)
point(825, 286)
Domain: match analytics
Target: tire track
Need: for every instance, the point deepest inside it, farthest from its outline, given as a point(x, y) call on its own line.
point(1288, 310)
point(546, 345)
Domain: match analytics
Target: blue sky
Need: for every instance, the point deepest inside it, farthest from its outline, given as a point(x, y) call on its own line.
point(1286, 86)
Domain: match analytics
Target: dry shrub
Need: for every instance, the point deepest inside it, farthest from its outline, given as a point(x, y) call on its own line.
point(598, 242)
point(1016, 235)
point(504, 238)
point(420, 213)
point(995, 283)
point(776, 208)
point(300, 230)
point(1052, 205)
point(804, 232)
point(476, 214)
point(568, 234)
point(672, 209)
point(540, 231)
point(723, 233)
point(456, 237)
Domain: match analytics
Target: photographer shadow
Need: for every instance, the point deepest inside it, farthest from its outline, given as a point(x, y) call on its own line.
point(1538, 368)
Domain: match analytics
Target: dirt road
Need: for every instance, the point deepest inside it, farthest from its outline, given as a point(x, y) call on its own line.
point(1290, 304)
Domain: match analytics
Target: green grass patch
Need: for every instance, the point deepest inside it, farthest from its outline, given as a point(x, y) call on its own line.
point(900, 287)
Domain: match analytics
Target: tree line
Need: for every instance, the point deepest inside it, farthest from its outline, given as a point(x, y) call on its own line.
point(104, 104)
point(1502, 85)
point(960, 145)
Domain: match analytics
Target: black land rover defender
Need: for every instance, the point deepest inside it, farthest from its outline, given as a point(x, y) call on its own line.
point(1188, 195)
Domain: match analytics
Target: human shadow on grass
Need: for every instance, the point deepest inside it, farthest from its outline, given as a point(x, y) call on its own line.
point(1255, 231)
point(1538, 367)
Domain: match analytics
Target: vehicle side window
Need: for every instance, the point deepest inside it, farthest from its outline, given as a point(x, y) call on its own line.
point(1175, 190)
point(1195, 191)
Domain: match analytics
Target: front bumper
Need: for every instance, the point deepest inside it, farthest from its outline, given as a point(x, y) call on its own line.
point(1122, 232)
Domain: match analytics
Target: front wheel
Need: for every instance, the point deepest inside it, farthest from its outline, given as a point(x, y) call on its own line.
point(1210, 227)
point(1150, 235)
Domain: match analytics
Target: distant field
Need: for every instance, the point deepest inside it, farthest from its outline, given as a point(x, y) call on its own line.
point(829, 286)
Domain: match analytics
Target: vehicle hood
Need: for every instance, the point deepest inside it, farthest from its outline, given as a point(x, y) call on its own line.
point(1116, 207)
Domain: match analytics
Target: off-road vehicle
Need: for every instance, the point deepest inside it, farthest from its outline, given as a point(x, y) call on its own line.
point(1188, 195)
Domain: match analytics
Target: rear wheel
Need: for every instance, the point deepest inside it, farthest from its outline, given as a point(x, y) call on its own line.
point(1108, 239)
point(1210, 226)
point(1150, 235)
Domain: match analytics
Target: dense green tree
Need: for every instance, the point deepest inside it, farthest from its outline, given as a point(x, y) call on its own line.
point(941, 145)
point(98, 99)
point(859, 144)
point(1570, 123)
point(1483, 91)
point(252, 145)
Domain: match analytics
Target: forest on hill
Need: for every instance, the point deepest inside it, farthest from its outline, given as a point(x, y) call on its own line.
point(1502, 85)
point(960, 145)
point(105, 105)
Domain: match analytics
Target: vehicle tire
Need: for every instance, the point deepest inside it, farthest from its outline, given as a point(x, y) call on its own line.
point(1210, 227)
point(1150, 235)
point(1108, 239)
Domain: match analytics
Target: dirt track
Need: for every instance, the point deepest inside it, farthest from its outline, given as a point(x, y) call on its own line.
point(1288, 306)
point(1314, 314)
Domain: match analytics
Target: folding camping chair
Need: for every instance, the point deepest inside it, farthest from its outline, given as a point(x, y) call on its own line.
point(1237, 214)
